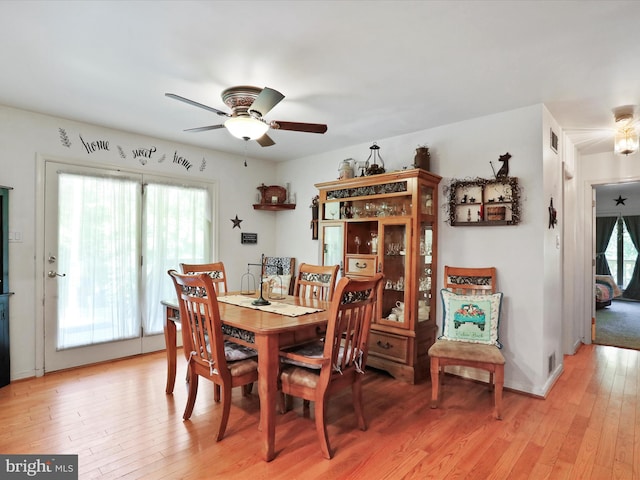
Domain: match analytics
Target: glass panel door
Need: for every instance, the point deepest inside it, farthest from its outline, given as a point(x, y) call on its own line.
point(104, 280)
point(176, 229)
point(425, 272)
point(332, 244)
point(395, 268)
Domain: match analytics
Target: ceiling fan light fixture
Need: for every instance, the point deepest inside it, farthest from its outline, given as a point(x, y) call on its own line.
point(626, 137)
point(246, 127)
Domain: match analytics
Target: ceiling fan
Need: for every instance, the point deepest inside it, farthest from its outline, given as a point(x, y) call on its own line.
point(246, 120)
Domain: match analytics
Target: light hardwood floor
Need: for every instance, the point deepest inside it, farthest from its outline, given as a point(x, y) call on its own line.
point(119, 421)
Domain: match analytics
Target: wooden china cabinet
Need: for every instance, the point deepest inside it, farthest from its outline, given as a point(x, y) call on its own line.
point(388, 223)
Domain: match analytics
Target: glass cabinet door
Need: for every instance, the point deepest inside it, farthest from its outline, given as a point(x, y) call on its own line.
point(332, 244)
point(394, 250)
point(425, 273)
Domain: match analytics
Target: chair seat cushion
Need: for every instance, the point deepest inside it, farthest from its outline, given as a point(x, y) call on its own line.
point(241, 367)
point(466, 351)
point(313, 350)
point(234, 352)
point(310, 350)
point(294, 375)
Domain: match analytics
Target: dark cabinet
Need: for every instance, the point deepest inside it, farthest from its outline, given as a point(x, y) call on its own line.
point(5, 363)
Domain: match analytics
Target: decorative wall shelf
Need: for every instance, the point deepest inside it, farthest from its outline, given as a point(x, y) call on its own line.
point(274, 206)
point(483, 202)
point(273, 198)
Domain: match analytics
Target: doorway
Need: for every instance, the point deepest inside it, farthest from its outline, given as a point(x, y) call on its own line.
point(616, 317)
point(109, 239)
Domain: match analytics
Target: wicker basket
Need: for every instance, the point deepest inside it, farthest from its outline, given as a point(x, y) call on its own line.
point(496, 213)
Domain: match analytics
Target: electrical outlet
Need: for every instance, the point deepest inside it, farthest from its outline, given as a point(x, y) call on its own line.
point(552, 362)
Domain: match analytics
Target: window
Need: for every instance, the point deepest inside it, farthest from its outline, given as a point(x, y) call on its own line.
point(621, 254)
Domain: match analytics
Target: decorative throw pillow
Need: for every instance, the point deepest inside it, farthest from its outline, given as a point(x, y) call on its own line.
point(471, 318)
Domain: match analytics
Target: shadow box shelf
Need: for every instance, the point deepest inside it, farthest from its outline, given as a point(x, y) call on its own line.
point(481, 202)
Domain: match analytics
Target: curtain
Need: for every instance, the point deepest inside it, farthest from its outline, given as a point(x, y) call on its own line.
point(106, 228)
point(97, 299)
point(177, 228)
point(604, 228)
point(633, 227)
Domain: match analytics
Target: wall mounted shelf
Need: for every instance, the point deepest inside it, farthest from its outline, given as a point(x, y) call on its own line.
point(274, 206)
point(483, 202)
point(273, 198)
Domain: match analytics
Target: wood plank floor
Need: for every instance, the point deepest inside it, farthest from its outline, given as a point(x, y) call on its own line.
point(119, 421)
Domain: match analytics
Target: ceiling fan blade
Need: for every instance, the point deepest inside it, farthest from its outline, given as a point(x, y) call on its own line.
point(265, 101)
point(299, 127)
point(265, 141)
point(196, 104)
point(204, 129)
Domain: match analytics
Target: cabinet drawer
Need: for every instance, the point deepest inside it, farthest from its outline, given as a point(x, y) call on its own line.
point(389, 346)
point(363, 265)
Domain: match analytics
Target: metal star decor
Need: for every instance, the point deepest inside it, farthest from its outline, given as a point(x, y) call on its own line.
point(236, 222)
point(619, 200)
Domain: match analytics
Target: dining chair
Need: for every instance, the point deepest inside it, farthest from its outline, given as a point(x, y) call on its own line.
point(316, 370)
point(470, 329)
point(316, 281)
point(280, 270)
point(225, 363)
point(215, 270)
point(219, 278)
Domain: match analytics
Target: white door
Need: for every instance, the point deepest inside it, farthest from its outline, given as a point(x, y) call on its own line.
point(107, 250)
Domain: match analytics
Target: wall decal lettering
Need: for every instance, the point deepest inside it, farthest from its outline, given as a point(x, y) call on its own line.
point(95, 146)
point(181, 161)
point(143, 152)
point(64, 139)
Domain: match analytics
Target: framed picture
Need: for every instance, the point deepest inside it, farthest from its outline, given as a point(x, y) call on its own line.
point(553, 141)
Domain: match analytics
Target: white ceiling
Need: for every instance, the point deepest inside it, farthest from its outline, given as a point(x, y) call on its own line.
point(368, 69)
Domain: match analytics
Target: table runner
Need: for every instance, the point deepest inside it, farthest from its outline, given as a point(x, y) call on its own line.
point(274, 307)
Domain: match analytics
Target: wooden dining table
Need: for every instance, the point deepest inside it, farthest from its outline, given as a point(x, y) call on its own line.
point(267, 332)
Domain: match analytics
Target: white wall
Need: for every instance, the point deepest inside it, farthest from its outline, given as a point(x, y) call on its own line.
point(551, 361)
point(23, 135)
point(464, 150)
point(574, 315)
point(531, 327)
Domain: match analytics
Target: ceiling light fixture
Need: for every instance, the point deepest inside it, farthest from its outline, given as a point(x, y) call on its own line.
point(246, 127)
point(626, 138)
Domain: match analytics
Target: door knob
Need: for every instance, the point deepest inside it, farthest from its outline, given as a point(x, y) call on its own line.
point(53, 274)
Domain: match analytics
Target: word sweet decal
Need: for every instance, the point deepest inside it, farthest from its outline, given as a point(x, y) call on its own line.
point(141, 154)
